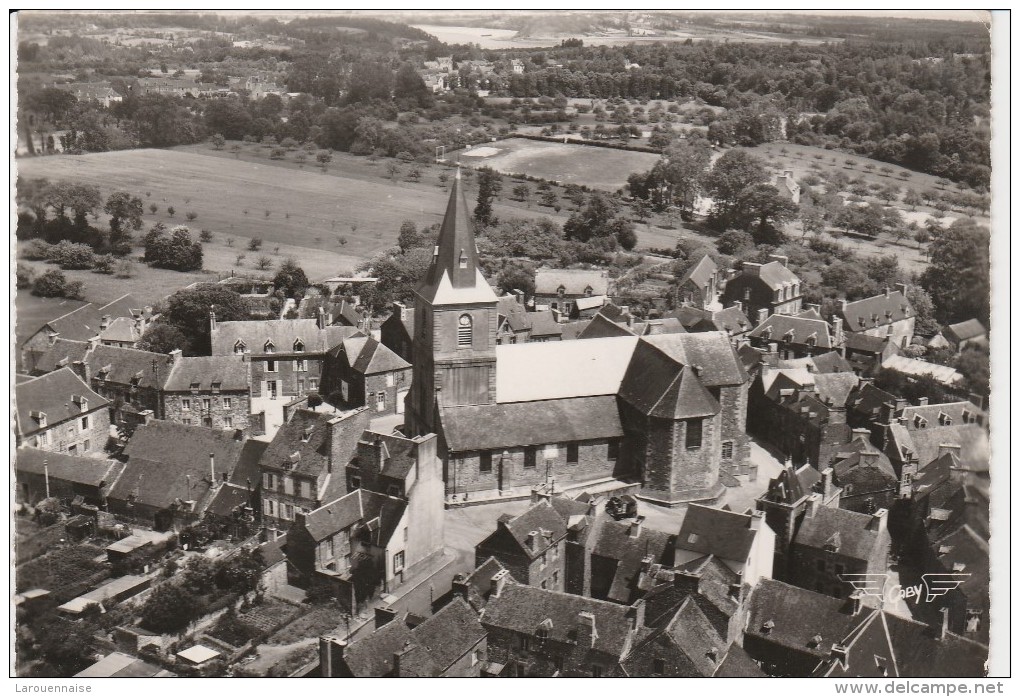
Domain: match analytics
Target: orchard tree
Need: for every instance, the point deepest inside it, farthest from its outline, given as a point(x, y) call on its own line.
point(125, 213)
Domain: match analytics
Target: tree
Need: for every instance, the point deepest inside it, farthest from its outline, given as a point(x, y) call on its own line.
point(52, 102)
point(489, 185)
point(912, 199)
point(170, 210)
point(514, 276)
point(291, 279)
point(737, 243)
point(548, 198)
point(254, 244)
point(263, 263)
point(324, 157)
point(125, 213)
point(408, 237)
point(409, 85)
point(70, 255)
point(188, 310)
point(771, 210)
point(600, 220)
point(175, 251)
point(53, 284)
point(218, 141)
point(958, 276)
point(169, 608)
point(164, 338)
point(393, 170)
point(973, 364)
point(731, 175)
point(521, 192)
point(925, 323)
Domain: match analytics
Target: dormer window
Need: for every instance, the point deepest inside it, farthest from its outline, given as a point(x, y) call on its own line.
point(463, 261)
point(812, 340)
point(860, 321)
point(920, 422)
point(464, 331)
point(269, 347)
point(945, 419)
point(788, 336)
point(239, 346)
point(588, 291)
point(560, 291)
point(299, 346)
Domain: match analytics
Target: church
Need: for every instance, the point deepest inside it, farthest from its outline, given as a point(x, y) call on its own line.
point(665, 412)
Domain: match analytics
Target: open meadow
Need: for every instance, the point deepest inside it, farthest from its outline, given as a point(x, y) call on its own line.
point(567, 163)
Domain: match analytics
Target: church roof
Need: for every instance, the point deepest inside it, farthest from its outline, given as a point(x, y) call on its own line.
point(562, 369)
point(454, 275)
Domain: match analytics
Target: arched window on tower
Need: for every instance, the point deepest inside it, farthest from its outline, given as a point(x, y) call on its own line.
point(464, 331)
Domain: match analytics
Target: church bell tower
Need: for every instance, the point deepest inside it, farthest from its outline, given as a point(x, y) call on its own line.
point(454, 343)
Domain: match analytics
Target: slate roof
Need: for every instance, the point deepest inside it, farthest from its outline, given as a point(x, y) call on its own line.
point(787, 487)
point(63, 353)
point(876, 311)
point(282, 333)
point(83, 323)
point(795, 330)
point(399, 453)
point(834, 388)
point(541, 518)
point(666, 325)
point(479, 582)
point(856, 537)
point(543, 324)
point(246, 472)
point(830, 362)
point(53, 395)
point(516, 315)
point(711, 351)
point(685, 646)
point(161, 483)
point(367, 356)
point(571, 330)
point(373, 655)
point(448, 634)
point(314, 451)
point(936, 414)
point(89, 471)
point(226, 500)
point(702, 273)
point(798, 615)
point(574, 281)
point(614, 541)
point(563, 369)
point(775, 275)
point(738, 664)
point(496, 426)
point(230, 373)
point(868, 399)
point(522, 608)
point(175, 444)
point(128, 366)
point(857, 454)
point(342, 311)
point(925, 442)
point(601, 327)
point(865, 343)
point(961, 331)
point(657, 385)
point(122, 330)
point(719, 532)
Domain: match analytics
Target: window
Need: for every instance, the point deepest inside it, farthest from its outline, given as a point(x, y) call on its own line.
point(84, 423)
point(288, 511)
point(572, 453)
point(269, 347)
point(313, 383)
point(389, 379)
point(301, 385)
point(544, 585)
point(555, 549)
point(239, 347)
point(267, 481)
point(464, 331)
point(186, 404)
point(300, 365)
point(556, 580)
point(288, 485)
point(267, 507)
point(355, 482)
point(186, 422)
point(529, 457)
point(228, 422)
point(398, 561)
point(614, 450)
point(727, 450)
point(305, 489)
point(747, 293)
point(206, 404)
point(86, 445)
point(228, 403)
point(693, 434)
point(692, 538)
point(525, 642)
point(485, 461)
point(299, 346)
point(405, 534)
point(270, 366)
point(380, 401)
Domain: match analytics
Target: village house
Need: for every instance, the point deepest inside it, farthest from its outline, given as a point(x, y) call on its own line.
point(449, 644)
point(368, 540)
point(82, 324)
point(211, 391)
point(865, 475)
point(867, 353)
point(560, 289)
point(360, 371)
point(397, 331)
point(961, 335)
point(100, 92)
point(731, 320)
point(865, 406)
point(788, 186)
point(582, 401)
point(914, 368)
point(699, 286)
point(888, 314)
point(765, 289)
point(59, 412)
point(833, 542)
point(339, 310)
point(173, 473)
point(739, 540)
point(41, 474)
point(794, 336)
point(305, 465)
point(286, 355)
point(514, 321)
point(132, 379)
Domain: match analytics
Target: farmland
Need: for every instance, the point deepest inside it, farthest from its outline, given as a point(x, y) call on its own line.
point(599, 168)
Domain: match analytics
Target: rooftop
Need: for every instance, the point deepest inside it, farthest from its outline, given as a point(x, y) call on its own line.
point(560, 369)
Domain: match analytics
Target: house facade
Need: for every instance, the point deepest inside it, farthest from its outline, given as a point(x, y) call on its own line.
point(59, 412)
point(765, 289)
point(211, 391)
point(889, 315)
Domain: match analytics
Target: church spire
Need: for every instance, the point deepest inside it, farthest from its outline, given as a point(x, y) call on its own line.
point(454, 274)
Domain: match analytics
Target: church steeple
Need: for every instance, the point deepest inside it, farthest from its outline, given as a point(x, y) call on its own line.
point(454, 275)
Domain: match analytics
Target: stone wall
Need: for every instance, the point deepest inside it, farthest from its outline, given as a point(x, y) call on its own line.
point(290, 382)
point(69, 436)
point(233, 405)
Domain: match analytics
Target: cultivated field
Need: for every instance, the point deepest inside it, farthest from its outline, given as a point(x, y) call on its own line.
point(568, 163)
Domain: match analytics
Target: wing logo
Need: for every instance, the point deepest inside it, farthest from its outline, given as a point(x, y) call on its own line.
point(932, 586)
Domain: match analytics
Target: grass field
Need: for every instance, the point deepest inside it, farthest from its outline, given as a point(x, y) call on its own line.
point(600, 168)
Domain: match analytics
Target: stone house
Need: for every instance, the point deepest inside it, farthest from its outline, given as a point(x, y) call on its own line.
point(59, 412)
point(741, 541)
point(560, 289)
point(286, 355)
point(961, 335)
point(361, 372)
point(865, 475)
point(305, 465)
point(765, 289)
point(132, 379)
point(731, 320)
point(397, 331)
point(833, 542)
point(82, 324)
point(888, 314)
point(699, 286)
point(867, 353)
point(794, 336)
point(211, 391)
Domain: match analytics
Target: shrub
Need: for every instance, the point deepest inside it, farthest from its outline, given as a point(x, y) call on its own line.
point(191, 215)
point(24, 276)
point(104, 264)
point(71, 255)
point(205, 236)
point(254, 244)
point(125, 269)
point(263, 263)
point(170, 210)
point(37, 250)
point(53, 284)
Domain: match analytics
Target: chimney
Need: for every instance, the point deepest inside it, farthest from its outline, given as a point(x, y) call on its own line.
point(320, 320)
point(754, 523)
point(837, 330)
point(763, 314)
point(586, 631)
point(498, 583)
point(949, 448)
point(331, 656)
point(856, 602)
point(175, 356)
point(813, 503)
point(737, 304)
point(887, 291)
point(944, 627)
point(879, 520)
point(902, 288)
point(104, 322)
point(533, 540)
point(842, 304)
point(773, 348)
point(460, 586)
point(840, 653)
point(400, 309)
point(827, 484)
point(383, 616)
point(635, 528)
point(212, 319)
point(814, 306)
point(922, 401)
point(782, 259)
point(901, 404)
point(888, 413)
point(752, 269)
point(636, 613)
